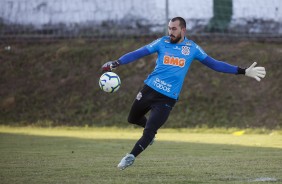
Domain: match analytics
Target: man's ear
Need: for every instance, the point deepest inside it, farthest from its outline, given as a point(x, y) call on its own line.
point(183, 30)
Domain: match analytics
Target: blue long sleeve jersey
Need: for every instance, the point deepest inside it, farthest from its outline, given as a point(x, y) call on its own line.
point(173, 63)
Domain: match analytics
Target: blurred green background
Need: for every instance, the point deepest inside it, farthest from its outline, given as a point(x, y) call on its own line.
point(56, 83)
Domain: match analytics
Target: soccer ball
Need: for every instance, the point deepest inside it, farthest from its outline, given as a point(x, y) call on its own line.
point(109, 82)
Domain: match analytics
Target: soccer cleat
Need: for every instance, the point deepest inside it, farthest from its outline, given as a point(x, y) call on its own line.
point(126, 161)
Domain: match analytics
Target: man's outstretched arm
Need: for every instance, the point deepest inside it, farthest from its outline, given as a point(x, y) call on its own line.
point(220, 66)
point(127, 58)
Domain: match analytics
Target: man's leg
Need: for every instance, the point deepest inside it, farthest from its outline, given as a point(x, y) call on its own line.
point(137, 113)
point(140, 107)
point(158, 116)
point(160, 106)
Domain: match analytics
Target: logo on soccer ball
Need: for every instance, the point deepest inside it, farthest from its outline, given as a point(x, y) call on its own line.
point(109, 82)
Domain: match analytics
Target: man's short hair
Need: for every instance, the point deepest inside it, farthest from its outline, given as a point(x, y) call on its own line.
point(182, 22)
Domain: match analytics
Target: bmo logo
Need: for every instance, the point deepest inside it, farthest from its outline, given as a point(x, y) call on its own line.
point(175, 61)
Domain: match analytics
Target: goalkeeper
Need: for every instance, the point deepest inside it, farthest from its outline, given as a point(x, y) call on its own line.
point(162, 87)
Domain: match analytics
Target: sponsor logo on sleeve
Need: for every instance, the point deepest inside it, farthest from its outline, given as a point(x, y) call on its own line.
point(200, 49)
point(154, 42)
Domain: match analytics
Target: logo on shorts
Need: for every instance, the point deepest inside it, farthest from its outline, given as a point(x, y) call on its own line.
point(139, 96)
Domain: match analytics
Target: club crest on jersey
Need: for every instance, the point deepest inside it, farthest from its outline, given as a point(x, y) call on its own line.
point(185, 50)
point(174, 61)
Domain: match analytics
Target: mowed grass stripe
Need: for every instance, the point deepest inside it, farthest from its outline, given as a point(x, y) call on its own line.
point(182, 135)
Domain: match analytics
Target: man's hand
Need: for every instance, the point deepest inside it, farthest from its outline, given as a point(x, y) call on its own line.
point(110, 65)
point(255, 72)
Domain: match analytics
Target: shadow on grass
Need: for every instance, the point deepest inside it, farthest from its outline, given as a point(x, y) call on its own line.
point(41, 159)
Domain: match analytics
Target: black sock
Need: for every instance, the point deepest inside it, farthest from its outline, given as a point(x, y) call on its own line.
point(141, 145)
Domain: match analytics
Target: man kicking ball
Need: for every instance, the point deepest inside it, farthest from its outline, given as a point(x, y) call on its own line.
point(162, 87)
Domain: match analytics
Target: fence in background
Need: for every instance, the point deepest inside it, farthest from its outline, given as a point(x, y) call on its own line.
point(250, 19)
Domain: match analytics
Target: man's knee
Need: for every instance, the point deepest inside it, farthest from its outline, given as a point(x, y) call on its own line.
point(141, 121)
point(131, 120)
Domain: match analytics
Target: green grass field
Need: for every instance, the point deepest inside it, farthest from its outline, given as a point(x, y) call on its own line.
point(90, 155)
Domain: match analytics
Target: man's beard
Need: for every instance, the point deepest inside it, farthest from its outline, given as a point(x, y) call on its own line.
point(176, 39)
